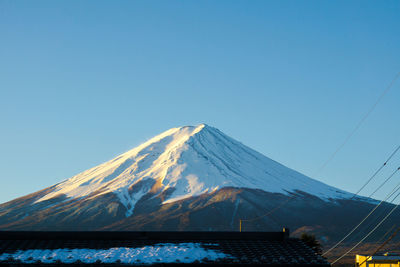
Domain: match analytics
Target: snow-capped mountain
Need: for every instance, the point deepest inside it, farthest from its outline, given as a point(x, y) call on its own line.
point(192, 160)
point(192, 177)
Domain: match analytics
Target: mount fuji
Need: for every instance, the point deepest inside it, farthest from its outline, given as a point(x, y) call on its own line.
point(187, 178)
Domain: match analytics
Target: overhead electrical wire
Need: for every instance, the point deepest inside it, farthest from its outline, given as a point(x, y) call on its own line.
point(369, 214)
point(369, 224)
point(370, 232)
point(382, 184)
point(387, 232)
point(376, 173)
point(369, 180)
point(266, 214)
point(373, 222)
point(358, 124)
point(381, 246)
point(270, 212)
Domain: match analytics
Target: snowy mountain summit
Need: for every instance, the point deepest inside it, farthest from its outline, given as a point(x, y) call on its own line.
point(188, 161)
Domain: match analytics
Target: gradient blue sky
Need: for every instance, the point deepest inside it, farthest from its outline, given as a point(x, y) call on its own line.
point(83, 81)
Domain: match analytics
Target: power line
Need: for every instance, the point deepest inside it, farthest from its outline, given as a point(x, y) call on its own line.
point(377, 171)
point(358, 124)
point(381, 246)
point(379, 187)
point(356, 245)
point(266, 214)
point(397, 187)
point(369, 224)
point(373, 222)
point(376, 227)
point(383, 237)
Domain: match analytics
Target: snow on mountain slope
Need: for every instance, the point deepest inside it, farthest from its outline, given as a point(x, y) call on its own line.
point(192, 160)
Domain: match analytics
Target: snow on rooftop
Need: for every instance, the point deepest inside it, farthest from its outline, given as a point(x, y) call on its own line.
point(159, 253)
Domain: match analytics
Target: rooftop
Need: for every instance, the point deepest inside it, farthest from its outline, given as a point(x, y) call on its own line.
point(155, 248)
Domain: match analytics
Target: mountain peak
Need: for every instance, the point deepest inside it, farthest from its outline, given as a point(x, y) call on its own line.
point(195, 129)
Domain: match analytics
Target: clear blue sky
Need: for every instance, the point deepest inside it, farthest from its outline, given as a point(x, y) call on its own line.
point(82, 81)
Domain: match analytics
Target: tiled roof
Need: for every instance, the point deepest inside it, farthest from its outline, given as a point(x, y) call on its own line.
point(246, 248)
